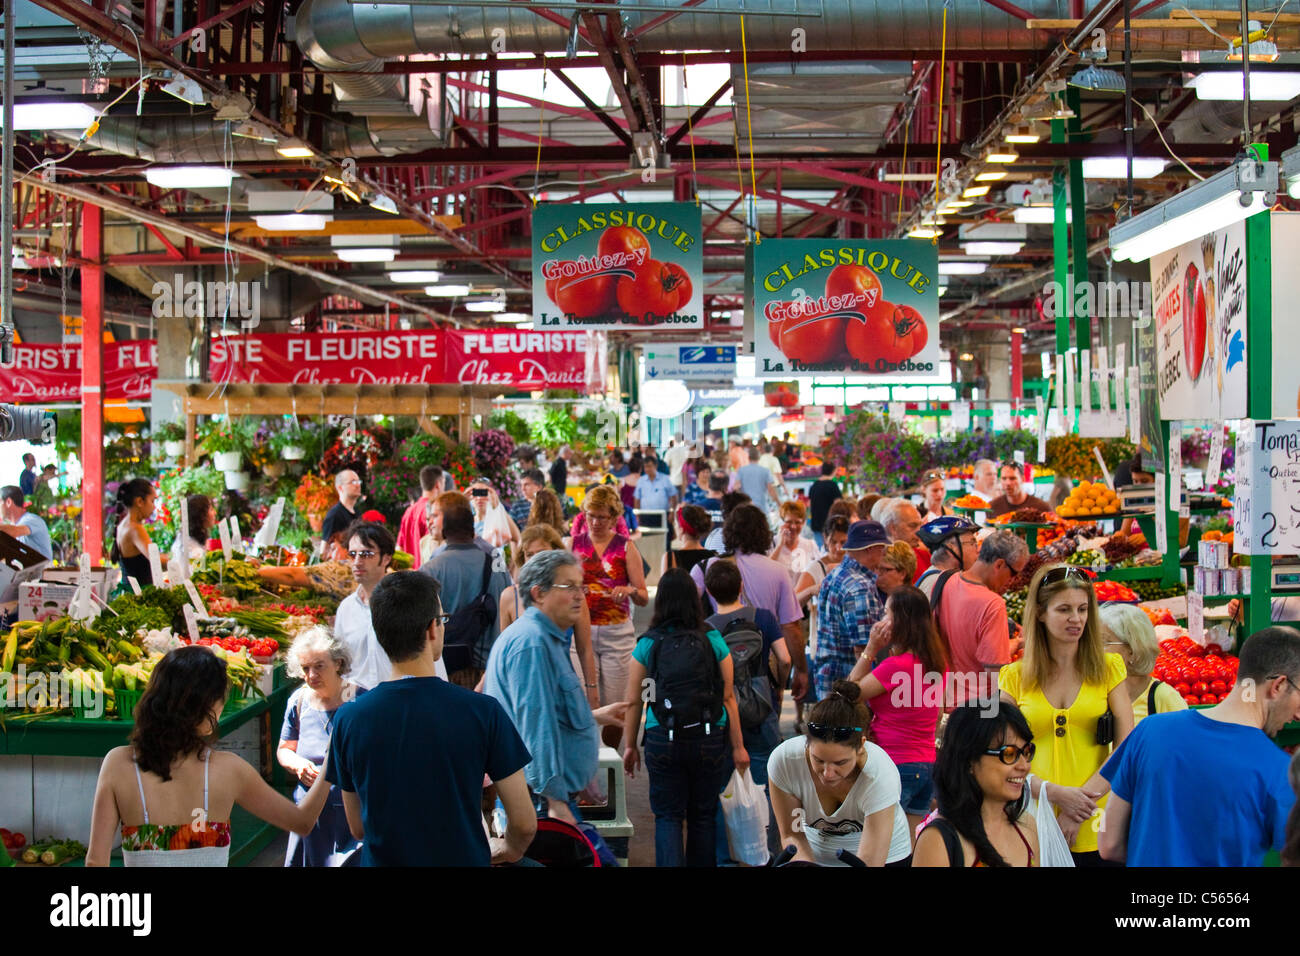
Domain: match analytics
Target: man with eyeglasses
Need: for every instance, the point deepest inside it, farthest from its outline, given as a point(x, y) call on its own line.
point(370, 551)
point(972, 616)
point(348, 485)
point(1209, 787)
point(530, 672)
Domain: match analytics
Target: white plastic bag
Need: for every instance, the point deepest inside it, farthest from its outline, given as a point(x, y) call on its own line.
point(1053, 850)
point(744, 805)
point(496, 527)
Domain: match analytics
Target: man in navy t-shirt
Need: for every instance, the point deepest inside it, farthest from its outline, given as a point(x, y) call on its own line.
point(1209, 788)
point(409, 757)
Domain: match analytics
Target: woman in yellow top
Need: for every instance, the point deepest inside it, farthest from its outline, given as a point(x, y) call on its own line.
point(1064, 685)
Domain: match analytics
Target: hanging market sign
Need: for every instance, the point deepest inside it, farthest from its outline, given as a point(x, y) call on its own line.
point(1285, 250)
point(1266, 493)
point(526, 361)
point(1199, 290)
point(514, 360)
point(867, 308)
point(614, 266)
point(695, 363)
point(52, 373)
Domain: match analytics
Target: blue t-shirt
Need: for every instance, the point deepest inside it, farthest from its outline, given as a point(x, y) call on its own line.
point(415, 751)
point(641, 653)
point(1203, 792)
point(38, 536)
point(654, 494)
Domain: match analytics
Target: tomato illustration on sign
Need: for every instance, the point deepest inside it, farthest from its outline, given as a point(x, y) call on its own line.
point(891, 334)
point(861, 283)
point(813, 338)
point(625, 239)
point(583, 296)
point(1194, 322)
point(656, 287)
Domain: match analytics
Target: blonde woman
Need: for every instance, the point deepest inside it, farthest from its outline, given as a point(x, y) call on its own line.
point(1073, 695)
point(897, 568)
point(793, 551)
point(536, 539)
point(1127, 631)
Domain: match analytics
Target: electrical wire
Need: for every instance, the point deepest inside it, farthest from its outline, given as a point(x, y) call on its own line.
point(91, 129)
point(1206, 25)
point(1161, 134)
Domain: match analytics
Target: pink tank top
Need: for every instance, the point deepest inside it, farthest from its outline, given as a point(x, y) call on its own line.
point(600, 575)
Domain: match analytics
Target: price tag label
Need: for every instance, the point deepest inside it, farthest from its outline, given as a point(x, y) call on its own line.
point(1085, 380)
point(1196, 617)
point(195, 599)
point(135, 585)
point(1215, 464)
point(1069, 387)
point(1059, 384)
point(236, 536)
point(1162, 513)
point(1042, 428)
point(961, 416)
point(1134, 406)
point(1001, 416)
point(1105, 472)
point(191, 623)
point(1103, 381)
point(897, 411)
point(155, 564)
point(224, 531)
point(1019, 456)
point(1176, 467)
point(185, 532)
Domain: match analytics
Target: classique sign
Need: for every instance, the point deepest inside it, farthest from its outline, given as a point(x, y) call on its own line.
point(848, 307)
point(611, 266)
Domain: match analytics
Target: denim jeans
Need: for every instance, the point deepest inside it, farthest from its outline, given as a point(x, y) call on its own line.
point(686, 776)
point(759, 744)
point(819, 541)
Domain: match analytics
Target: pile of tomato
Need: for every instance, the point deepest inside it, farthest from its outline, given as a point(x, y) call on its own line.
point(13, 842)
point(1203, 675)
point(257, 647)
point(298, 610)
point(1114, 591)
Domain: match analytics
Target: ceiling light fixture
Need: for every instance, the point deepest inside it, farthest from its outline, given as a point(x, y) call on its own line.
point(959, 268)
point(1018, 330)
point(366, 254)
point(414, 275)
point(189, 177)
point(991, 175)
point(1028, 133)
point(295, 152)
point(487, 305)
point(1230, 196)
point(1098, 79)
point(974, 192)
point(1116, 167)
point(1001, 156)
point(186, 90)
point(447, 291)
point(925, 232)
point(76, 116)
point(384, 204)
point(1039, 215)
point(992, 248)
point(292, 222)
point(965, 357)
point(907, 178)
point(1265, 87)
point(513, 317)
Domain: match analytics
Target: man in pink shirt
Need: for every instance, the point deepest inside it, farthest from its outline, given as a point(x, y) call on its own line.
point(972, 616)
point(415, 523)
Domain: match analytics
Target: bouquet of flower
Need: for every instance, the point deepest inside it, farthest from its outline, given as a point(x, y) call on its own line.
point(314, 496)
point(361, 454)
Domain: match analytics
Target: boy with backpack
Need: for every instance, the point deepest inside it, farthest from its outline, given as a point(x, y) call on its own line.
point(760, 666)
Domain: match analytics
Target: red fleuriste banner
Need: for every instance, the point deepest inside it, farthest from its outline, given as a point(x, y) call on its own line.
point(515, 360)
point(52, 372)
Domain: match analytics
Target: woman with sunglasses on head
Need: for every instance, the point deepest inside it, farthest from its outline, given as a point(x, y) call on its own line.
point(1073, 696)
point(932, 493)
point(906, 692)
point(693, 525)
point(979, 779)
point(681, 658)
point(534, 540)
point(613, 575)
point(833, 789)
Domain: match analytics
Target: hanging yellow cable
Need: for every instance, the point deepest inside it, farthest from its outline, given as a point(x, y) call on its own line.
point(541, 115)
point(749, 120)
point(690, 131)
point(938, 138)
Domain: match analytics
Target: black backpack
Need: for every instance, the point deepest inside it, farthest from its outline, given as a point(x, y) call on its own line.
point(686, 688)
point(750, 674)
point(467, 626)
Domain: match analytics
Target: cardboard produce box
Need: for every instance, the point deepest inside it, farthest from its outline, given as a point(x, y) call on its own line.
point(38, 600)
point(102, 579)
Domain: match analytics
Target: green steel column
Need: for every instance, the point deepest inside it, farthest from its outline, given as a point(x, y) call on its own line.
point(1078, 230)
point(1259, 363)
point(1060, 249)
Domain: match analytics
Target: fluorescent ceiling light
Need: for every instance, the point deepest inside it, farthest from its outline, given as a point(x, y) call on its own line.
point(1116, 167)
point(76, 116)
point(908, 177)
point(415, 275)
point(957, 204)
point(1039, 214)
point(1018, 330)
point(932, 219)
point(965, 357)
point(962, 268)
point(1022, 134)
point(991, 175)
point(974, 192)
point(189, 177)
point(1002, 156)
point(366, 254)
point(486, 305)
point(1210, 205)
point(384, 204)
point(514, 317)
point(295, 152)
point(447, 291)
point(925, 232)
point(292, 222)
point(1270, 87)
point(992, 248)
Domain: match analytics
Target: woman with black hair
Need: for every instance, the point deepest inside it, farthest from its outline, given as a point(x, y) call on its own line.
point(833, 789)
point(172, 793)
point(202, 515)
point(684, 669)
point(135, 503)
point(981, 778)
point(693, 523)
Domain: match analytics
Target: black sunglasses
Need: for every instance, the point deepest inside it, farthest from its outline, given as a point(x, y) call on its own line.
point(836, 735)
point(1010, 753)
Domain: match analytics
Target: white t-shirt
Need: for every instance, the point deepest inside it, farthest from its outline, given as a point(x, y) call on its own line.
point(675, 458)
point(772, 464)
point(877, 787)
point(370, 665)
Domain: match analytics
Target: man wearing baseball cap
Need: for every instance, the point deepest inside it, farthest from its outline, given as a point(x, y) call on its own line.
point(849, 605)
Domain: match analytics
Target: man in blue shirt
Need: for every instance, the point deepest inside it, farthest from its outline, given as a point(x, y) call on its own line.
point(409, 757)
point(654, 492)
point(849, 605)
point(755, 480)
point(1209, 788)
point(529, 671)
point(20, 523)
point(27, 480)
point(531, 482)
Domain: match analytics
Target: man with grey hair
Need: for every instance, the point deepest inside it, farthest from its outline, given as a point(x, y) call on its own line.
point(972, 616)
point(530, 672)
point(902, 521)
point(985, 483)
point(878, 509)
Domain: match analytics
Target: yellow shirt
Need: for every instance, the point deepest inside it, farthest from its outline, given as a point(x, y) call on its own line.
point(1067, 751)
point(1167, 699)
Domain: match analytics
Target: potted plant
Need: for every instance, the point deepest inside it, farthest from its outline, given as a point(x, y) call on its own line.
point(227, 442)
point(290, 443)
point(172, 437)
point(314, 497)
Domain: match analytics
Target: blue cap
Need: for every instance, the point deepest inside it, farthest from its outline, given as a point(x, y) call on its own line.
point(866, 534)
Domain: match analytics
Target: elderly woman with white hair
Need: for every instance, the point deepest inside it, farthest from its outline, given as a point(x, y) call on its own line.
point(1127, 631)
point(322, 661)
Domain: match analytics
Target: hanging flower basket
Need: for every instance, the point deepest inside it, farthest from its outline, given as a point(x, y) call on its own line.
point(173, 449)
point(293, 453)
point(227, 461)
point(236, 481)
point(274, 469)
